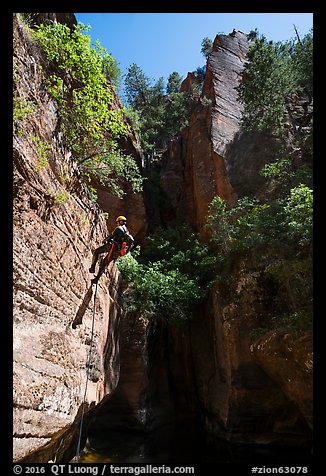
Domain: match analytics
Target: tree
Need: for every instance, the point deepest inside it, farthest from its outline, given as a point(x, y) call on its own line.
point(302, 57)
point(177, 112)
point(273, 72)
point(269, 80)
point(110, 68)
point(206, 46)
point(137, 86)
point(160, 115)
point(174, 83)
point(253, 34)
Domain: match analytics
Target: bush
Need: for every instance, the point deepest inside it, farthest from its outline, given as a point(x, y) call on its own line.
point(298, 210)
point(250, 224)
point(168, 279)
point(92, 125)
point(152, 291)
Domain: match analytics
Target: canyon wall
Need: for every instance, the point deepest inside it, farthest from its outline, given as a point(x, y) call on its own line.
point(243, 389)
point(255, 389)
point(194, 170)
point(56, 226)
point(213, 155)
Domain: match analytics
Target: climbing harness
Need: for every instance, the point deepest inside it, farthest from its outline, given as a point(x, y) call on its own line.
point(87, 378)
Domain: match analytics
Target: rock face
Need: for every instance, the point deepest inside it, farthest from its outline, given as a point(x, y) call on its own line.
point(246, 399)
point(195, 170)
point(288, 360)
point(68, 19)
point(56, 227)
point(126, 410)
point(223, 74)
point(213, 156)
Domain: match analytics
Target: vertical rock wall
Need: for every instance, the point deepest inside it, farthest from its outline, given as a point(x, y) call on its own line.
point(244, 397)
point(55, 228)
point(194, 171)
point(223, 74)
point(213, 371)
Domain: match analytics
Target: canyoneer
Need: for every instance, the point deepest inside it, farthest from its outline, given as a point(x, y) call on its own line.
point(118, 243)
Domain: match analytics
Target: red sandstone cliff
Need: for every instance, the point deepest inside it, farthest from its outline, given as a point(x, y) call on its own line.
point(200, 152)
point(56, 227)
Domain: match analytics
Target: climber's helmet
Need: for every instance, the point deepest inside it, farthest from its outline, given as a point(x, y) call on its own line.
point(121, 218)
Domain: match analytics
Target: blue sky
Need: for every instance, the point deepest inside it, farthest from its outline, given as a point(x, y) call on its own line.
point(160, 43)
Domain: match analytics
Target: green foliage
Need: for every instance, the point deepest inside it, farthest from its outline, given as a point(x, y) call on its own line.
point(174, 83)
point(280, 234)
point(177, 113)
point(137, 85)
point(269, 80)
point(298, 208)
point(62, 197)
point(296, 320)
point(272, 73)
point(251, 224)
point(302, 58)
point(169, 278)
point(200, 74)
point(284, 175)
point(92, 192)
point(258, 332)
point(206, 46)
point(110, 68)
point(253, 34)
point(248, 225)
point(293, 277)
point(292, 321)
point(42, 157)
point(179, 248)
point(155, 292)
point(219, 223)
point(22, 108)
point(79, 84)
point(158, 116)
point(147, 102)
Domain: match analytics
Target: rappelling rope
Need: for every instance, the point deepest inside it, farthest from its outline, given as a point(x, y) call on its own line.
point(87, 377)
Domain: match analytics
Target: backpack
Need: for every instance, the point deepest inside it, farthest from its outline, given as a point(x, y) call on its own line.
point(123, 246)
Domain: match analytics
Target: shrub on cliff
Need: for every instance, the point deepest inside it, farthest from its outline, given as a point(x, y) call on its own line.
point(77, 76)
point(251, 225)
point(276, 238)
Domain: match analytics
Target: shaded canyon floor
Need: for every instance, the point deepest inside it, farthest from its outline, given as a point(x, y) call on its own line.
point(185, 445)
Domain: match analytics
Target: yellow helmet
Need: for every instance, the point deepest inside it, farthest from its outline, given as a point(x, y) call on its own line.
point(121, 218)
